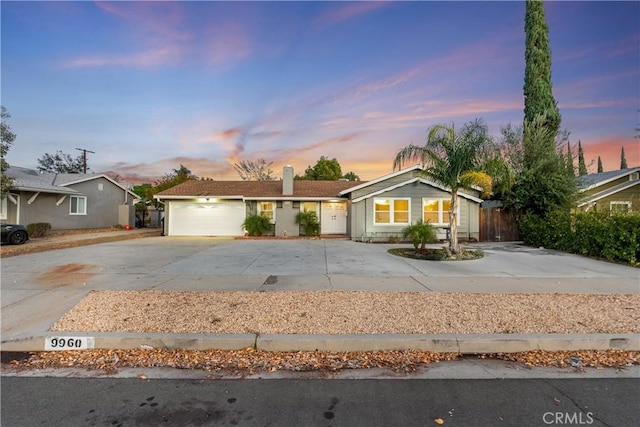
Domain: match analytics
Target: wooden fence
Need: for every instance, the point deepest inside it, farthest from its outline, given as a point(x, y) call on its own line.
point(498, 225)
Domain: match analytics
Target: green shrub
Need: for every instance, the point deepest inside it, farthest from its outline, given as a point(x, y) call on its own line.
point(595, 234)
point(38, 229)
point(257, 225)
point(420, 234)
point(308, 220)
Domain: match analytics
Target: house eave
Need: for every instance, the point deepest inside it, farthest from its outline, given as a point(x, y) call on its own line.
point(411, 181)
point(606, 193)
point(298, 198)
point(44, 190)
point(199, 196)
point(381, 179)
point(622, 174)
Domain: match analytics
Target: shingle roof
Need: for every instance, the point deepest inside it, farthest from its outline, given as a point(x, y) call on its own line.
point(256, 189)
point(595, 179)
point(32, 180)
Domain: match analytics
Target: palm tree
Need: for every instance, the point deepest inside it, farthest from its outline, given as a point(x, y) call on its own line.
point(455, 160)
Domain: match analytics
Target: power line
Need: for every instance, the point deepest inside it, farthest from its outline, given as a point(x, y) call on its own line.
point(84, 157)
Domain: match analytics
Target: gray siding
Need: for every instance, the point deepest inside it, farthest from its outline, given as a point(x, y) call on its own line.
point(385, 184)
point(286, 219)
point(362, 218)
point(102, 207)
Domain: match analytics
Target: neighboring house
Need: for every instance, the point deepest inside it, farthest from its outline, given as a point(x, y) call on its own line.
point(66, 201)
point(615, 191)
point(367, 211)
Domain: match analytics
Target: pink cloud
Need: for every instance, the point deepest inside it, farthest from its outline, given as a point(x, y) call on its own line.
point(149, 58)
point(226, 43)
point(230, 133)
point(154, 26)
point(588, 84)
point(348, 11)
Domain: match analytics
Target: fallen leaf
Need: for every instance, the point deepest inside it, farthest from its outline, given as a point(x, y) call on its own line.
point(439, 421)
point(142, 376)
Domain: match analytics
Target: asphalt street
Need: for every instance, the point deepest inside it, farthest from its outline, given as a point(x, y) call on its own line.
point(289, 402)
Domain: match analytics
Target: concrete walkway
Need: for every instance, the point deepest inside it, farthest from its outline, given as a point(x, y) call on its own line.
point(37, 289)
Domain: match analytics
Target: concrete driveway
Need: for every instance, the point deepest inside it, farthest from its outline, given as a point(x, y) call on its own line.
point(37, 289)
point(207, 263)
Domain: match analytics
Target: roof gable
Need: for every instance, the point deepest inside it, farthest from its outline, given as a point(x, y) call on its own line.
point(411, 181)
point(608, 192)
point(381, 179)
point(47, 182)
point(588, 182)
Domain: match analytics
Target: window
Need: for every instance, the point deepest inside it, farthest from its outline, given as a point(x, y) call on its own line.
point(392, 211)
point(78, 205)
point(309, 207)
point(267, 209)
point(619, 207)
point(436, 211)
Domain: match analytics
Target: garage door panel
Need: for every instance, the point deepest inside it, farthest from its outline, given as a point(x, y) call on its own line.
point(206, 219)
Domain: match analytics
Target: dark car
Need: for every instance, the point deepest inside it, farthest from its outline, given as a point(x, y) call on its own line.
point(14, 234)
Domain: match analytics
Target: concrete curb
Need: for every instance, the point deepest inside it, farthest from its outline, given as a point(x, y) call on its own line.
point(458, 343)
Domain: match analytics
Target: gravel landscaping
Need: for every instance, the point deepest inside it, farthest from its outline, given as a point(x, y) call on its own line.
point(356, 312)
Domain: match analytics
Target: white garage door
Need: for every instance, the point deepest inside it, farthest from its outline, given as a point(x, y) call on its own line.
point(206, 219)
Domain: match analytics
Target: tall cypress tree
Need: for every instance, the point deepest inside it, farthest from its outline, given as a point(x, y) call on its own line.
point(538, 96)
point(600, 169)
point(582, 166)
point(544, 184)
point(570, 170)
point(623, 160)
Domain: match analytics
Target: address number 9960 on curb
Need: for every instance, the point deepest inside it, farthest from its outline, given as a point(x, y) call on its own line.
point(69, 343)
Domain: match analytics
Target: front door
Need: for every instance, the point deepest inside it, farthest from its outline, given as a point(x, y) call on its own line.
point(333, 218)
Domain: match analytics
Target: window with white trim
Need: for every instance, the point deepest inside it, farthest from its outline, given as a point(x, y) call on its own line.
point(77, 205)
point(436, 211)
point(392, 211)
point(267, 209)
point(619, 207)
point(309, 207)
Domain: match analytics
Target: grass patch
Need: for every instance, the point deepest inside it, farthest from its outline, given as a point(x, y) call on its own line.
point(436, 254)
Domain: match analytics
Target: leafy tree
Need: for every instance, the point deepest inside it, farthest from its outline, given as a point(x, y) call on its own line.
point(510, 147)
point(538, 96)
point(177, 176)
point(254, 171)
point(570, 170)
point(454, 159)
point(600, 169)
point(60, 163)
point(6, 139)
point(582, 166)
point(542, 185)
point(623, 160)
point(324, 169)
point(351, 176)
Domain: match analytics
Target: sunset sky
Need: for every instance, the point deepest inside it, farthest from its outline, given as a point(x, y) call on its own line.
point(148, 86)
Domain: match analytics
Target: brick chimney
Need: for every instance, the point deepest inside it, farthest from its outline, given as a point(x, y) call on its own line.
point(287, 181)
